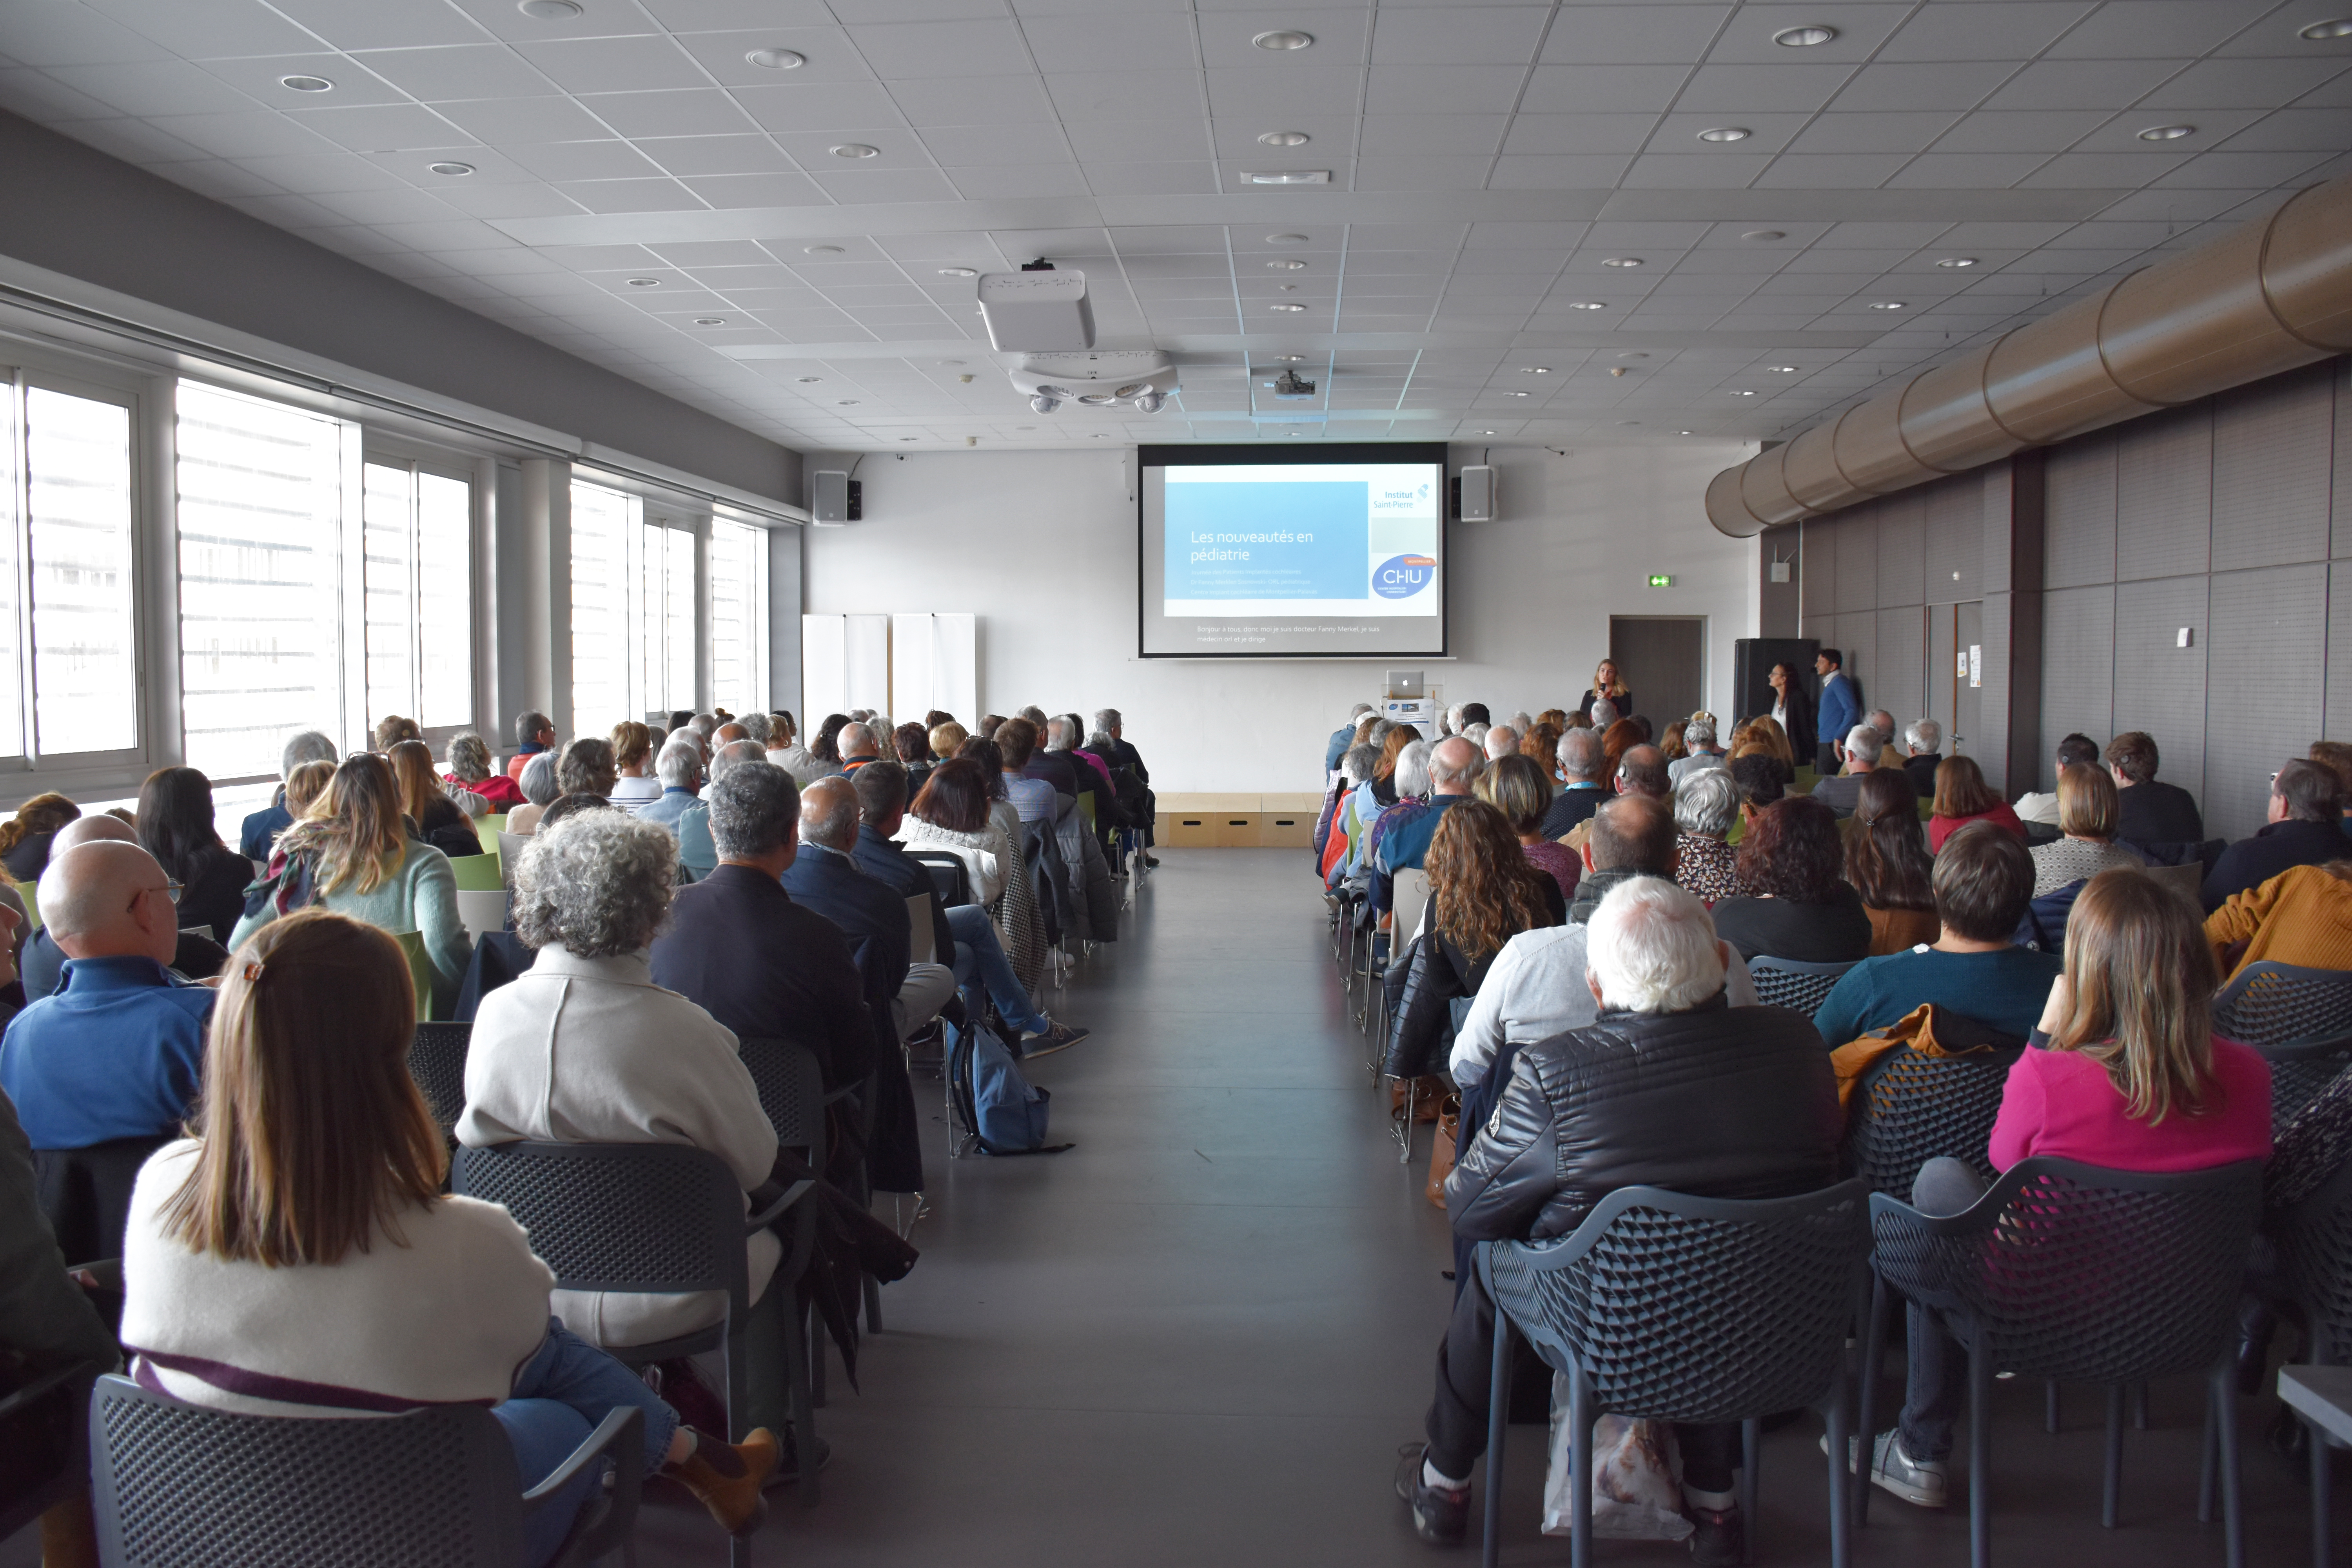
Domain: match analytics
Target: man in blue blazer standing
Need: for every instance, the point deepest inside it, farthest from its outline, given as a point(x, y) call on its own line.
point(1839, 711)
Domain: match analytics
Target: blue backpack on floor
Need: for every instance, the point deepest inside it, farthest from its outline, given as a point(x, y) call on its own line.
point(999, 1107)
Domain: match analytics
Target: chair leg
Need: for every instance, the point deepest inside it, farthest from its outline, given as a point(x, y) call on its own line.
point(1979, 1453)
point(796, 1388)
point(1581, 1415)
point(1751, 1443)
point(2224, 1398)
point(817, 1368)
point(2112, 1483)
point(2205, 1468)
point(873, 1305)
point(1873, 1350)
point(1498, 1410)
point(2321, 1548)
point(2050, 1405)
point(1841, 1509)
point(2140, 1406)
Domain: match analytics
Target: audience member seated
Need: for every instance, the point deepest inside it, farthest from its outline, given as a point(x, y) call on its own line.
point(1064, 733)
point(1500, 740)
point(680, 769)
point(697, 850)
point(2306, 808)
point(1889, 755)
point(295, 1255)
point(1621, 737)
point(438, 819)
point(2303, 915)
point(468, 760)
point(2336, 756)
point(1583, 789)
point(1343, 737)
point(534, 735)
point(1699, 750)
point(175, 826)
point(1705, 806)
point(824, 876)
point(1762, 779)
point(2041, 806)
point(1861, 750)
point(785, 751)
point(262, 827)
point(913, 744)
point(1768, 730)
point(391, 730)
point(859, 746)
point(1454, 765)
point(1641, 771)
point(1672, 746)
point(353, 856)
point(2087, 812)
point(1924, 742)
point(1108, 740)
point(1540, 745)
point(536, 782)
point(635, 786)
point(1794, 902)
point(1483, 891)
point(2131, 1078)
point(1020, 923)
point(1347, 826)
point(1983, 881)
point(951, 816)
point(1886, 862)
point(1838, 711)
point(25, 837)
point(1536, 988)
point(1410, 785)
point(2152, 812)
point(1516, 787)
point(826, 747)
point(1962, 796)
point(1016, 740)
point(1669, 1087)
point(42, 964)
point(756, 727)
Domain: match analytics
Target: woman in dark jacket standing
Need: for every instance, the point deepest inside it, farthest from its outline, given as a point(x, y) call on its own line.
point(175, 826)
point(1483, 891)
point(1792, 708)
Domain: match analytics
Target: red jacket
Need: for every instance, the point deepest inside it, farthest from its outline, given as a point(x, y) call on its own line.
point(502, 792)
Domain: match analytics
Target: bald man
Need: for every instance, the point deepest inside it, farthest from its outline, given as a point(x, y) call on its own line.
point(118, 1053)
point(43, 964)
point(826, 876)
point(1454, 765)
point(859, 746)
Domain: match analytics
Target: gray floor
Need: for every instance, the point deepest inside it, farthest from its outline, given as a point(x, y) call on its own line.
point(1199, 1336)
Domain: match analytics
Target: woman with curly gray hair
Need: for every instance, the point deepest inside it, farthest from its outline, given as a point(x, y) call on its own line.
point(584, 1047)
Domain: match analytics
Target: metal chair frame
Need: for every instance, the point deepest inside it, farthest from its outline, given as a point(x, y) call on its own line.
point(2315, 1247)
point(2299, 1018)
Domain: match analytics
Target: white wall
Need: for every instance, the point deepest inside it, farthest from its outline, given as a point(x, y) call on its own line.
point(1042, 545)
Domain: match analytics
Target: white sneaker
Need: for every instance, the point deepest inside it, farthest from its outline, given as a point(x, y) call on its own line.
point(1920, 1482)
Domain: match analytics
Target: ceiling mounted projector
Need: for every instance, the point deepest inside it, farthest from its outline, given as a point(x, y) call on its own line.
point(1105, 379)
point(1036, 309)
point(1290, 384)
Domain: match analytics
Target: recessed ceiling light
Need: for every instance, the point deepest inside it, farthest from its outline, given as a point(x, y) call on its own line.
point(777, 60)
point(1286, 307)
point(1285, 239)
point(1286, 138)
point(1588, 304)
point(1287, 264)
point(1623, 261)
point(1288, 359)
point(306, 83)
point(1886, 304)
point(821, 250)
point(1486, 432)
point(1958, 261)
point(806, 380)
point(1686, 432)
point(1534, 370)
point(1283, 40)
point(1727, 133)
point(1743, 395)
point(2326, 32)
point(1764, 236)
point(645, 282)
point(1635, 355)
point(1285, 176)
point(549, 10)
point(959, 272)
point(951, 361)
point(855, 150)
point(906, 437)
point(450, 168)
point(1522, 394)
point(1803, 38)
point(2167, 133)
point(710, 320)
point(846, 402)
point(1784, 369)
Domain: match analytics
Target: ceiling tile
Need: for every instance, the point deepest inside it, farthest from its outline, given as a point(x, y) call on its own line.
point(944, 48)
point(895, 148)
point(820, 105)
point(691, 155)
point(1113, 42)
point(651, 195)
point(383, 127)
point(1830, 171)
point(1559, 171)
point(1603, 89)
point(1581, 135)
point(1876, 132)
point(604, 19)
point(2079, 84)
point(2045, 131)
point(1676, 171)
point(644, 115)
point(1270, 97)
point(154, 88)
point(1459, 34)
point(887, 186)
point(1632, 35)
point(605, 159)
point(772, 189)
point(975, 101)
point(1961, 84)
point(257, 132)
point(263, 80)
point(508, 201)
point(36, 95)
point(208, 29)
point(470, 70)
point(1441, 89)
point(504, 121)
point(1739, 89)
point(1003, 181)
point(1432, 174)
point(1340, 35)
point(828, 54)
point(615, 65)
point(2153, 29)
point(1005, 144)
point(53, 34)
point(1184, 177)
point(1139, 95)
point(1424, 135)
point(1133, 141)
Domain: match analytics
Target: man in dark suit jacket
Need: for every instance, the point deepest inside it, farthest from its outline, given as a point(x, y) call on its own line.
point(2150, 810)
point(1581, 760)
point(826, 876)
point(741, 948)
point(2304, 829)
point(881, 806)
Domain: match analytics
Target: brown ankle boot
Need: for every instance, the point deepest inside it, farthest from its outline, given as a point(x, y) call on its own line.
point(70, 1535)
point(727, 1478)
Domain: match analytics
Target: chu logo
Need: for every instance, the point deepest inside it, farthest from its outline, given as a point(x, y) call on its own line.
point(1403, 576)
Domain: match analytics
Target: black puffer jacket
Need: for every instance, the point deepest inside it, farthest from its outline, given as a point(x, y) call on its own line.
point(1720, 1102)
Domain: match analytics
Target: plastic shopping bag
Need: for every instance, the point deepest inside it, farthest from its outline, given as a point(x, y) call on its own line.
point(1637, 1491)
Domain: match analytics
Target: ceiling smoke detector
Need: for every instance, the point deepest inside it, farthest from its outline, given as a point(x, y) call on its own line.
point(1727, 133)
point(1283, 40)
point(1286, 139)
point(1803, 38)
point(777, 60)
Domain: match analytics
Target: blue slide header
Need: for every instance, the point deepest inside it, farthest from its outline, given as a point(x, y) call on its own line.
point(1288, 540)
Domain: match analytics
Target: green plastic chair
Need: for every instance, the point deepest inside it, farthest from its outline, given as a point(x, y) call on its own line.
point(420, 969)
point(477, 873)
point(31, 893)
point(493, 824)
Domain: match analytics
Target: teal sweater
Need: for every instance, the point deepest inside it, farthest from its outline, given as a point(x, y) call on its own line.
point(422, 896)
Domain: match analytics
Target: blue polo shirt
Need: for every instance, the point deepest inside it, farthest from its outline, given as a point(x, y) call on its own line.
point(118, 1052)
point(1404, 849)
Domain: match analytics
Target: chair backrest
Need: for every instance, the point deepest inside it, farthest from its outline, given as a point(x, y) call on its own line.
point(1410, 896)
point(181, 1486)
point(1799, 987)
point(30, 892)
point(619, 1217)
point(482, 910)
point(1911, 1109)
point(510, 849)
point(2077, 1272)
point(790, 1080)
point(2186, 882)
point(437, 1060)
point(1688, 1308)
point(420, 968)
point(477, 873)
point(2281, 1004)
point(920, 942)
point(950, 878)
point(492, 822)
point(2314, 1247)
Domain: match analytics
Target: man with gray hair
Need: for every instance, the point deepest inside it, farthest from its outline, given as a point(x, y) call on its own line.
point(262, 829)
point(1342, 738)
point(1880, 720)
point(857, 746)
point(1604, 713)
point(697, 850)
point(1670, 1086)
point(1501, 741)
point(1454, 765)
point(1582, 759)
point(1118, 753)
point(826, 876)
point(1842, 793)
point(756, 727)
point(1925, 740)
point(704, 726)
point(679, 768)
point(1701, 754)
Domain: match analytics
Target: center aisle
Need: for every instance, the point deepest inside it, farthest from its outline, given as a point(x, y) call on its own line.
point(1197, 1337)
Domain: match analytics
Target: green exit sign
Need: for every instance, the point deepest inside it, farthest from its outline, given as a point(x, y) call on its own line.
point(1661, 579)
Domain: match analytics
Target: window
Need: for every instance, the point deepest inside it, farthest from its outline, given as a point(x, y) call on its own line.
point(661, 617)
point(418, 590)
point(260, 517)
point(738, 616)
point(603, 528)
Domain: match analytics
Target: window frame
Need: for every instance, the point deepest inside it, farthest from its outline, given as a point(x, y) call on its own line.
point(418, 461)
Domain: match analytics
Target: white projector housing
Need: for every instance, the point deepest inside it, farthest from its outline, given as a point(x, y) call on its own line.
point(1103, 379)
point(1042, 312)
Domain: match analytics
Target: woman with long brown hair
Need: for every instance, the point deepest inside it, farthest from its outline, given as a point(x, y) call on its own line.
point(353, 856)
point(1483, 891)
point(1962, 796)
point(1887, 860)
point(440, 820)
point(175, 826)
point(1541, 746)
point(295, 1255)
point(1796, 902)
point(1615, 742)
point(25, 837)
point(1521, 791)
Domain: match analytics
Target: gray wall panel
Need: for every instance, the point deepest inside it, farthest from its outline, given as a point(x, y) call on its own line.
point(1902, 566)
point(1954, 538)
point(1902, 686)
point(1857, 638)
point(1818, 567)
point(2340, 383)
point(1990, 744)
point(2078, 664)
point(1775, 603)
point(2164, 493)
point(2339, 650)
point(2272, 451)
point(1857, 563)
point(2079, 520)
point(2265, 701)
point(2160, 686)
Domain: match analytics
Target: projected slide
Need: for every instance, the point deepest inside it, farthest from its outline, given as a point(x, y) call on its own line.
point(1292, 558)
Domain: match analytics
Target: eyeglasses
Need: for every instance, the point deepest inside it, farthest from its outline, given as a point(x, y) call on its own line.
point(171, 891)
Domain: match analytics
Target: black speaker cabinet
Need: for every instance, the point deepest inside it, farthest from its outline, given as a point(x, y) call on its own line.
point(1752, 659)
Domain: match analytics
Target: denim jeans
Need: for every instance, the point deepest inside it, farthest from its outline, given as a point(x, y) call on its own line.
point(1938, 1384)
point(558, 1397)
point(980, 962)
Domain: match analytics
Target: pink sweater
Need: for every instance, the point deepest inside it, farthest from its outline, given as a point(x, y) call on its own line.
point(2063, 1104)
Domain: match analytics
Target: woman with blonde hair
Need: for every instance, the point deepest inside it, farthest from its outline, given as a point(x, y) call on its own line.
point(635, 783)
point(352, 855)
point(2089, 808)
point(1483, 891)
point(295, 1255)
point(25, 837)
point(424, 801)
point(1607, 683)
point(306, 784)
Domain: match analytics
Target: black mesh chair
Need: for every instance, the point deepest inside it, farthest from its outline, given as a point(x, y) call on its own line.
point(790, 1080)
point(1799, 987)
point(1682, 1308)
point(437, 1060)
point(950, 878)
point(2315, 1250)
point(2069, 1272)
point(654, 1217)
point(47, 1416)
point(1911, 1109)
point(2300, 1019)
point(180, 1485)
